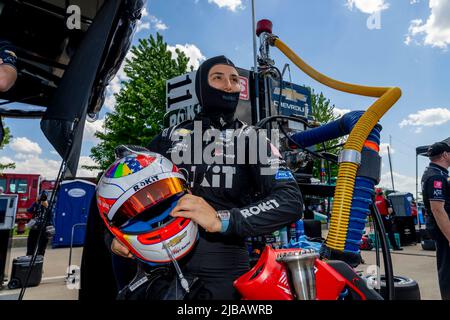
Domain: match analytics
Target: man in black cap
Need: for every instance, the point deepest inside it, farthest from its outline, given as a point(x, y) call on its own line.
point(436, 197)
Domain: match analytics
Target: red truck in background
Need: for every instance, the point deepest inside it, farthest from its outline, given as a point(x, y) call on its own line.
point(27, 187)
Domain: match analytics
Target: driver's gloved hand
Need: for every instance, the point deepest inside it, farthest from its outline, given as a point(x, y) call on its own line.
point(124, 150)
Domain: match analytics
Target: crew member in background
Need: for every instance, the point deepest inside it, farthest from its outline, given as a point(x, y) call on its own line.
point(436, 197)
point(414, 211)
point(8, 71)
point(385, 209)
point(37, 210)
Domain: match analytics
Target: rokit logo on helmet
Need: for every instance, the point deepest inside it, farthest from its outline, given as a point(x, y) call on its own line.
point(144, 183)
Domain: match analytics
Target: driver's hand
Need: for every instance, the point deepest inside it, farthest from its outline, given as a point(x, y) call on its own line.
point(200, 211)
point(119, 249)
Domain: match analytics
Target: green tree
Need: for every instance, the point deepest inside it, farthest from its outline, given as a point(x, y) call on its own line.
point(6, 138)
point(323, 112)
point(140, 104)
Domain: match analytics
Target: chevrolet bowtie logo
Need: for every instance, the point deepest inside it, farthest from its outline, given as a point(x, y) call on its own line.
point(173, 242)
point(291, 94)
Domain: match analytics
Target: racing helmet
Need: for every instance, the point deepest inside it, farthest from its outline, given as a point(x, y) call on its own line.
point(135, 196)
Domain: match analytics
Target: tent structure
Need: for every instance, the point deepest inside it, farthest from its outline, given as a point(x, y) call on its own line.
point(63, 71)
point(420, 151)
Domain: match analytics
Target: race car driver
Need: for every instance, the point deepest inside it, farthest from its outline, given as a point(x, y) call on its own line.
point(229, 201)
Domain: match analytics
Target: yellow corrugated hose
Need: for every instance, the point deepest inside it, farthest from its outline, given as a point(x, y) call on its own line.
point(340, 213)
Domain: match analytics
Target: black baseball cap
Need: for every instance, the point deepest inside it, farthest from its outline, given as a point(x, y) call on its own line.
point(439, 148)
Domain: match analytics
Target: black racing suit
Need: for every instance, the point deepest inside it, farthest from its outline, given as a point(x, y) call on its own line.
point(259, 202)
point(436, 187)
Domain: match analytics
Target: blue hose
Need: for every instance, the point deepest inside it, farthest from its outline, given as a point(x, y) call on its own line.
point(335, 129)
point(364, 187)
point(362, 199)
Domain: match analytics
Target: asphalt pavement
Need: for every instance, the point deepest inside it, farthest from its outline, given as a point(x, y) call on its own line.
point(412, 262)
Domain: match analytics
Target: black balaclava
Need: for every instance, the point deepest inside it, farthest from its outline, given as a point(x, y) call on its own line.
point(217, 105)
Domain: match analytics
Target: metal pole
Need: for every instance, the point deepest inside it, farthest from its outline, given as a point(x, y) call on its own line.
point(387, 260)
point(255, 62)
point(417, 178)
point(71, 247)
point(390, 165)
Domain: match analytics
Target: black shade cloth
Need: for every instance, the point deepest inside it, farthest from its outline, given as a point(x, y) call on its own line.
point(422, 151)
point(69, 104)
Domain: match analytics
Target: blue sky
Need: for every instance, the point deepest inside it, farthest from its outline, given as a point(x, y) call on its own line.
point(408, 48)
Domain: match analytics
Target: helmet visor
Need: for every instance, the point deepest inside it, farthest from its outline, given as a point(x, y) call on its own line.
point(148, 197)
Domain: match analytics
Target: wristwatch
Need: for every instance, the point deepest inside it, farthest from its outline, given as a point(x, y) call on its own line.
point(224, 216)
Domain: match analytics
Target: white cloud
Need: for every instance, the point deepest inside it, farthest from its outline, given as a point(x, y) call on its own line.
point(368, 6)
point(384, 149)
point(232, 5)
point(23, 156)
point(143, 23)
point(340, 112)
point(46, 167)
point(116, 84)
point(86, 161)
point(142, 26)
point(147, 22)
point(402, 183)
point(91, 128)
point(6, 160)
point(36, 165)
point(191, 50)
point(427, 118)
point(435, 31)
point(158, 24)
point(25, 146)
